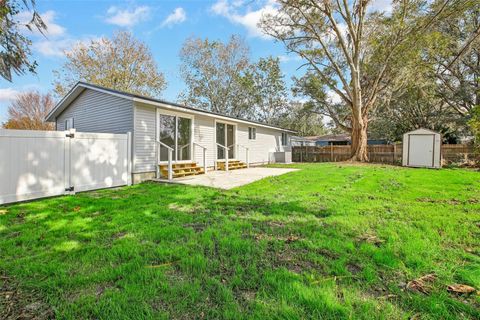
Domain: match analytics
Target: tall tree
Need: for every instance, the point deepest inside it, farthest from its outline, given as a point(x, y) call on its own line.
point(122, 63)
point(457, 61)
point(29, 110)
point(301, 118)
point(212, 72)
point(353, 54)
point(266, 92)
point(14, 45)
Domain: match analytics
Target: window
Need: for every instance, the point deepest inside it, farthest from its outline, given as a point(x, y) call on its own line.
point(69, 124)
point(284, 139)
point(252, 133)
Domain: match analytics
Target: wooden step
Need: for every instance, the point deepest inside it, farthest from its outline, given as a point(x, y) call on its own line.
point(232, 165)
point(181, 169)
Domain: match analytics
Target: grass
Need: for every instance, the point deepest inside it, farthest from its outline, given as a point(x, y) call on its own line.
point(326, 242)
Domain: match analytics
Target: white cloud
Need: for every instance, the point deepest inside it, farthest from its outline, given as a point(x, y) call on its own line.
point(57, 48)
point(8, 94)
point(333, 97)
point(381, 6)
point(248, 19)
point(288, 58)
point(127, 18)
point(177, 16)
point(48, 17)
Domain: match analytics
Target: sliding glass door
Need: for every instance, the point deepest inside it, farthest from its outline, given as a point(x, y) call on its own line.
point(225, 134)
point(175, 132)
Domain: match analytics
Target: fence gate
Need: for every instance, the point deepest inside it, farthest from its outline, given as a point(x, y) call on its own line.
point(36, 164)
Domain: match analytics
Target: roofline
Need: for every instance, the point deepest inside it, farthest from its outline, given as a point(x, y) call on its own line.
point(155, 102)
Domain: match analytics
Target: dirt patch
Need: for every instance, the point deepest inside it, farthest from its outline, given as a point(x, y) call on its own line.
point(370, 238)
point(354, 268)
point(16, 303)
point(287, 239)
point(454, 202)
point(197, 227)
point(422, 284)
point(327, 253)
point(119, 235)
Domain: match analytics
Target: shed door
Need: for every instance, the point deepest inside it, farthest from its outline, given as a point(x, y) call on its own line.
point(420, 152)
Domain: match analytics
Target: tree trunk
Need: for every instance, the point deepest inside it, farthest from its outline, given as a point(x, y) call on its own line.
point(359, 140)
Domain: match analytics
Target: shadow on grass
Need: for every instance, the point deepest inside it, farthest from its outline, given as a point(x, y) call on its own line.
point(179, 252)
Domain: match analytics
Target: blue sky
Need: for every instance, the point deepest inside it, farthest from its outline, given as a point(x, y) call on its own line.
point(163, 25)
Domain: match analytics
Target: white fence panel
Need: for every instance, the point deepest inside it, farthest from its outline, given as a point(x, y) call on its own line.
point(32, 164)
point(99, 160)
point(36, 164)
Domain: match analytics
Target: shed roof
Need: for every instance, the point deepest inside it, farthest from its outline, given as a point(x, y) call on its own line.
point(421, 131)
point(81, 86)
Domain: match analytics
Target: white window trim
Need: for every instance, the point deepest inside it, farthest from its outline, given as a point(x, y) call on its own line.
point(254, 133)
point(65, 123)
point(284, 134)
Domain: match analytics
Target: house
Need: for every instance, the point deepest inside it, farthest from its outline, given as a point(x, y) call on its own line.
point(194, 140)
point(339, 140)
point(301, 141)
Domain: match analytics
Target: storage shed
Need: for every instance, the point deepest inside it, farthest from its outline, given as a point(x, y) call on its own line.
point(421, 148)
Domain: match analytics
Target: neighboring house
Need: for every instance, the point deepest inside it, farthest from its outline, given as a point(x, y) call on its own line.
point(188, 131)
point(301, 141)
point(339, 140)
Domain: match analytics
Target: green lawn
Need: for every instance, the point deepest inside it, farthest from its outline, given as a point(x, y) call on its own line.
point(326, 242)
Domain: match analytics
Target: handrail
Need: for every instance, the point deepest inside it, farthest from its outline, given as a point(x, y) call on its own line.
point(204, 155)
point(226, 155)
point(170, 156)
point(165, 145)
point(246, 153)
point(221, 145)
point(205, 148)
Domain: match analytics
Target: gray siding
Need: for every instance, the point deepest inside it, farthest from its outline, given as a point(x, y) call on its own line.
point(94, 111)
point(144, 138)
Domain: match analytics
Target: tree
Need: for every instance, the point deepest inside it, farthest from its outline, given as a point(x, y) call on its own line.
point(351, 53)
point(475, 125)
point(29, 110)
point(213, 72)
point(416, 106)
point(14, 46)
point(266, 93)
point(301, 118)
point(123, 63)
point(456, 63)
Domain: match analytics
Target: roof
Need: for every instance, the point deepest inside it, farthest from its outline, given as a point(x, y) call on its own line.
point(81, 86)
point(421, 130)
point(330, 137)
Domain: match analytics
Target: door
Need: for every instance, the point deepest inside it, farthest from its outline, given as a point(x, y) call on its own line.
point(167, 135)
point(225, 136)
point(420, 150)
point(175, 132)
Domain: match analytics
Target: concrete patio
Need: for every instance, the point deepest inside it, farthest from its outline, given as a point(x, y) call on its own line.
point(230, 179)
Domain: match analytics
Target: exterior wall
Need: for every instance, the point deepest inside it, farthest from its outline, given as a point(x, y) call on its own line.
point(144, 136)
point(204, 135)
point(94, 111)
point(260, 149)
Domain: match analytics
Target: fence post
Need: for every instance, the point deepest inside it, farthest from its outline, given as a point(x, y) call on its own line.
point(331, 152)
point(129, 159)
point(394, 153)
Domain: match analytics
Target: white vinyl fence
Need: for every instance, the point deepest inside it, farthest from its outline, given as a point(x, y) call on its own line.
point(36, 164)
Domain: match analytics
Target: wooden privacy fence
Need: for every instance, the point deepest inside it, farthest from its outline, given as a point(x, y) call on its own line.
point(390, 154)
